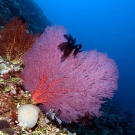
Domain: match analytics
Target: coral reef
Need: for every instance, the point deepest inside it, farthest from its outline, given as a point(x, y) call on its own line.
point(114, 121)
point(12, 96)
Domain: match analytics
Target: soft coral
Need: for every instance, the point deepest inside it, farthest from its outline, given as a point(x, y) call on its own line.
point(81, 83)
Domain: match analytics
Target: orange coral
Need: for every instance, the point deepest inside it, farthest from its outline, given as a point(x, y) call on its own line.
point(15, 39)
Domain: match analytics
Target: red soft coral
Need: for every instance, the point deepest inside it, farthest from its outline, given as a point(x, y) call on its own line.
point(76, 85)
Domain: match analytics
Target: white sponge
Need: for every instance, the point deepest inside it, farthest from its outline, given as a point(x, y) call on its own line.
point(28, 115)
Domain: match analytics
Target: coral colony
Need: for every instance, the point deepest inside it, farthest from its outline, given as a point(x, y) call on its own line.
point(84, 80)
point(58, 76)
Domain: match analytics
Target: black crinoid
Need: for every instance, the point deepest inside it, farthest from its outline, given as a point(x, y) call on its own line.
point(69, 46)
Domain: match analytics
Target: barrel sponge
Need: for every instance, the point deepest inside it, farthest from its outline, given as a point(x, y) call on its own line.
point(28, 115)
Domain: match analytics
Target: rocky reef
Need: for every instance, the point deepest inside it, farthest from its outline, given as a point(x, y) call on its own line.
point(114, 121)
point(26, 9)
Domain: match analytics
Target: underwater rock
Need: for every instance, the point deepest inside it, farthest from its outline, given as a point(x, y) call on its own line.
point(28, 10)
point(114, 121)
point(5, 128)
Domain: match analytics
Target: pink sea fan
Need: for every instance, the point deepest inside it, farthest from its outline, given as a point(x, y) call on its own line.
point(76, 85)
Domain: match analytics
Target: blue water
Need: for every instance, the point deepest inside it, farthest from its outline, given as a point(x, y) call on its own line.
point(105, 25)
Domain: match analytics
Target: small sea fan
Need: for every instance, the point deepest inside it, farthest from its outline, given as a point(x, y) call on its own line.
point(15, 39)
point(75, 86)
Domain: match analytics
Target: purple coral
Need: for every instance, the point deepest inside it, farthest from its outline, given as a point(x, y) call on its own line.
point(81, 83)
